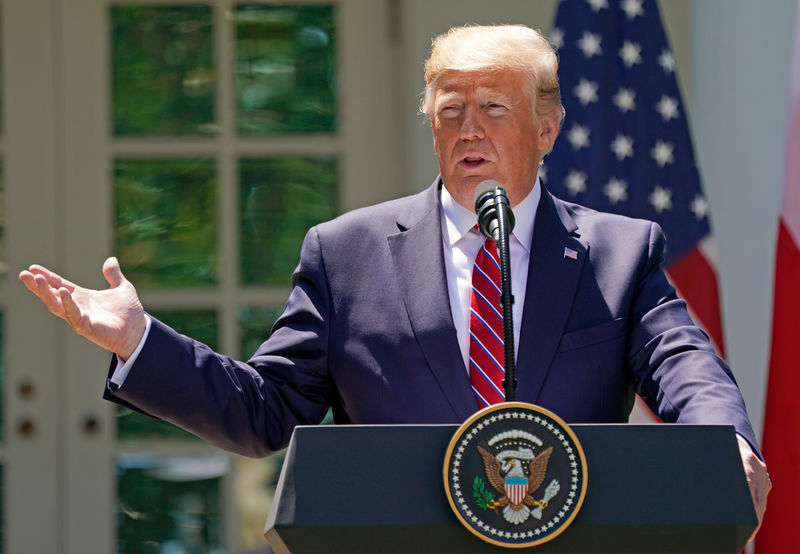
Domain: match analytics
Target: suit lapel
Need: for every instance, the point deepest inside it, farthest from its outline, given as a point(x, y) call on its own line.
point(423, 283)
point(553, 278)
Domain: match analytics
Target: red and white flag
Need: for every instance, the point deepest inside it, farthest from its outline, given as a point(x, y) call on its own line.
point(781, 438)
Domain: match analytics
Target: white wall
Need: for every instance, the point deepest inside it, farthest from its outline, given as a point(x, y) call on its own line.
point(740, 63)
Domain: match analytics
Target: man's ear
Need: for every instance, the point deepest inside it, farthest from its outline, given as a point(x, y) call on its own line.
point(549, 125)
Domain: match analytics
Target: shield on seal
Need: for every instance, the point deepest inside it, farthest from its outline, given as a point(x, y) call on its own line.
point(516, 489)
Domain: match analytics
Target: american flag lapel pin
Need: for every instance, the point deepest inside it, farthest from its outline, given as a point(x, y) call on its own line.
point(570, 253)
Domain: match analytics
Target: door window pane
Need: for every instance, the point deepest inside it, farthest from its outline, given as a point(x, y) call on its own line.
point(165, 214)
point(285, 69)
point(133, 426)
point(163, 72)
point(280, 199)
point(256, 324)
point(170, 504)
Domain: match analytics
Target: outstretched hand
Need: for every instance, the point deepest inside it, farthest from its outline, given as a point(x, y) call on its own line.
point(112, 318)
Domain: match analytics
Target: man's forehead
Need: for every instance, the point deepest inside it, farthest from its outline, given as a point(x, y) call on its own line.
point(504, 81)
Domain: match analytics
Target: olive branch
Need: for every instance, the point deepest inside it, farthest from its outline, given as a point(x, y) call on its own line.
point(483, 498)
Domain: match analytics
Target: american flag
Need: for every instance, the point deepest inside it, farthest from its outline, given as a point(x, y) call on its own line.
point(625, 145)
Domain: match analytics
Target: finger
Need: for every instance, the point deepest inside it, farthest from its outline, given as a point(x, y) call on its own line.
point(71, 312)
point(28, 280)
point(112, 272)
point(54, 279)
point(47, 294)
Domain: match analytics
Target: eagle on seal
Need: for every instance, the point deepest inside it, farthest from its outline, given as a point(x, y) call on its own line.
point(506, 474)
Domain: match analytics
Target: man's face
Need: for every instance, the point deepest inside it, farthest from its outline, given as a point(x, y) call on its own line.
point(484, 127)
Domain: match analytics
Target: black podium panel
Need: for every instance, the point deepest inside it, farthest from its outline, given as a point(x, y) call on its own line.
point(651, 488)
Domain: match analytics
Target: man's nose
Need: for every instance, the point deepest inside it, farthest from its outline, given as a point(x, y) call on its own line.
point(471, 125)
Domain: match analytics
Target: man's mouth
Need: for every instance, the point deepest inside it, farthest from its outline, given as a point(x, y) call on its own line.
point(473, 160)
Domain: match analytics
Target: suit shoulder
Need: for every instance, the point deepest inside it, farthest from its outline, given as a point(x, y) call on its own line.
point(590, 219)
point(379, 218)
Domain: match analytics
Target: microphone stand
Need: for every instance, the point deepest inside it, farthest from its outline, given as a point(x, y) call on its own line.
point(506, 297)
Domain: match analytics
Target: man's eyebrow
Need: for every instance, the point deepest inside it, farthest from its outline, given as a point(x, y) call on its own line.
point(447, 97)
point(492, 93)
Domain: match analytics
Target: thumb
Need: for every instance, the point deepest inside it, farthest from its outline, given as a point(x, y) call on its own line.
point(112, 272)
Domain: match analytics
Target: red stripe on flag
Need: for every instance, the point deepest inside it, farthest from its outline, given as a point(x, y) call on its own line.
point(780, 444)
point(696, 281)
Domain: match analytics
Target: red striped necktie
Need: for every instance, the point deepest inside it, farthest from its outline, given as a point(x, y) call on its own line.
point(486, 357)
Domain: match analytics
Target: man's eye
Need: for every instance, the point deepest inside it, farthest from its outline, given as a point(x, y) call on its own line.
point(450, 111)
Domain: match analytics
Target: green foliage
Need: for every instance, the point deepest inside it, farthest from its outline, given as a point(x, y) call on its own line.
point(159, 509)
point(166, 221)
point(256, 324)
point(285, 69)
point(482, 497)
point(163, 70)
point(280, 199)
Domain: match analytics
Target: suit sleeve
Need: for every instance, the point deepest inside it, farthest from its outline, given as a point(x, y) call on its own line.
point(675, 368)
point(248, 408)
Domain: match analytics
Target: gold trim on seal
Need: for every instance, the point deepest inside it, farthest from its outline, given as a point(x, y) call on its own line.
point(504, 406)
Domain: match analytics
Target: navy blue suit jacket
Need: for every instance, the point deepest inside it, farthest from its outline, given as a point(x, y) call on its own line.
point(368, 331)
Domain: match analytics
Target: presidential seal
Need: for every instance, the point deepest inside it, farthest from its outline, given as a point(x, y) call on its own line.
point(515, 475)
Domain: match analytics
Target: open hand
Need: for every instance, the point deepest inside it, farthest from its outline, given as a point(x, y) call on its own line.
point(112, 318)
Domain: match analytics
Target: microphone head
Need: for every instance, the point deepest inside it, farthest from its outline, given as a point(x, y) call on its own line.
point(489, 197)
point(482, 189)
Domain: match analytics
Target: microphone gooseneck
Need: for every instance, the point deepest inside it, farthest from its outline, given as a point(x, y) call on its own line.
point(496, 220)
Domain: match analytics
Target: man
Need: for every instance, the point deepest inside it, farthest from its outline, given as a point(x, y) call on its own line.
point(389, 339)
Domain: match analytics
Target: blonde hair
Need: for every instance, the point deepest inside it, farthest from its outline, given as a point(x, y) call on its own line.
point(482, 48)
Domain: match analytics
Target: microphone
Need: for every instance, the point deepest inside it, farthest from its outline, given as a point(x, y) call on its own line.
point(496, 220)
point(490, 198)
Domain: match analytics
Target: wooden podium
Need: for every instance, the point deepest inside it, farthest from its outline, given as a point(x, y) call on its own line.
point(378, 488)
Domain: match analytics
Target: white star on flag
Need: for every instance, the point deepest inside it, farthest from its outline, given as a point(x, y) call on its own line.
point(661, 199)
point(589, 44)
point(543, 173)
point(624, 99)
point(616, 190)
point(622, 146)
point(557, 38)
point(586, 91)
point(597, 5)
point(631, 53)
point(662, 153)
point(666, 61)
point(667, 107)
point(699, 207)
point(578, 136)
point(575, 182)
point(632, 8)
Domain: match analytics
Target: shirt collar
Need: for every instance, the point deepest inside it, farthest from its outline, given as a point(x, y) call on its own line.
point(459, 220)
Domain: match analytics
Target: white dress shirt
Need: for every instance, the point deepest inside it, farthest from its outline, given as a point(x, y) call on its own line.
point(462, 242)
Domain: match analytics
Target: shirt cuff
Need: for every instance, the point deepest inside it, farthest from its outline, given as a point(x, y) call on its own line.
point(124, 366)
point(745, 441)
